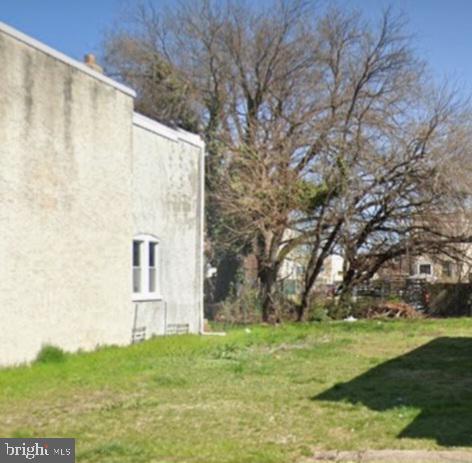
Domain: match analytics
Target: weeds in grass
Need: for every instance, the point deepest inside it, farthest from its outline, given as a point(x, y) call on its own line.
point(227, 351)
point(22, 434)
point(50, 354)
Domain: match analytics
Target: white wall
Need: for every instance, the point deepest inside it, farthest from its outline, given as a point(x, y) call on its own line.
point(167, 203)
point(80, 175)
point(65, 202)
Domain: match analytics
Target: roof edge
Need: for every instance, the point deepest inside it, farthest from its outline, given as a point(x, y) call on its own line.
point(26, 39)
point(168, 132)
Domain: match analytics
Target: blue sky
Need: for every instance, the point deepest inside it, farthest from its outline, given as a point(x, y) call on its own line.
point(442, 28)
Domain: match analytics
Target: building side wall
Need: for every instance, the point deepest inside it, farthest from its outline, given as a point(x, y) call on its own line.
point(65, 202)
point(167, 186)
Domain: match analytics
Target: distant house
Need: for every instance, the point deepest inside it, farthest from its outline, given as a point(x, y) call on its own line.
point(332, 271)
point(448, 264)
point(292, 272)
point(101, 210)
point(433, 269)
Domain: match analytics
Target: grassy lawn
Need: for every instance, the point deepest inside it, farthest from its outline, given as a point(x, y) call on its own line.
point(268, 394)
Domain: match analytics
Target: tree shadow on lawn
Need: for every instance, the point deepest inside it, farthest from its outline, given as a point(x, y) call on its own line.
point(436, 378)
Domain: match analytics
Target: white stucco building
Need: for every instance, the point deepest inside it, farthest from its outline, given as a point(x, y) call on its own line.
point(101, 210)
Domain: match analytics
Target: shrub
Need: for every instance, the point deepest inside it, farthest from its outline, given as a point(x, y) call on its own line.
point(318, 313)
point(450, 299)
point(241, 306)
point(339, 309)
point(285, 307)
point(50, 354)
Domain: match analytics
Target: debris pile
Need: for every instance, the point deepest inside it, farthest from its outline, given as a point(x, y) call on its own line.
point(390, 310)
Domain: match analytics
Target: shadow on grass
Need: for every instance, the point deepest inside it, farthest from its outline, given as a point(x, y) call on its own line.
point(436, 378)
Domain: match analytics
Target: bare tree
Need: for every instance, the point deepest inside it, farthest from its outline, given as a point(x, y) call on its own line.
point(134, 52)
point(319, 128)
point(255, 78)
point(417, 201)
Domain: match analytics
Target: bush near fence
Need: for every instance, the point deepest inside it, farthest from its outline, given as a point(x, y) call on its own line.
point(450, 299)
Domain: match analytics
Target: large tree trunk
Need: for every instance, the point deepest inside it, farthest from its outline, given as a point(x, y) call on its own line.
point(267, 279)
point(305, 295)
point(345, 290)
point(301, 308)
point(315, 264)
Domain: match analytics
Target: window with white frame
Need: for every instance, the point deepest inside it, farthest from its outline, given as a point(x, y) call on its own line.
point(146, 268)
point(425, 269)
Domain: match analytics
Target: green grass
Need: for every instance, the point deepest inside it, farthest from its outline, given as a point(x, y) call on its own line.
point(50, 354)
point(273, 394)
